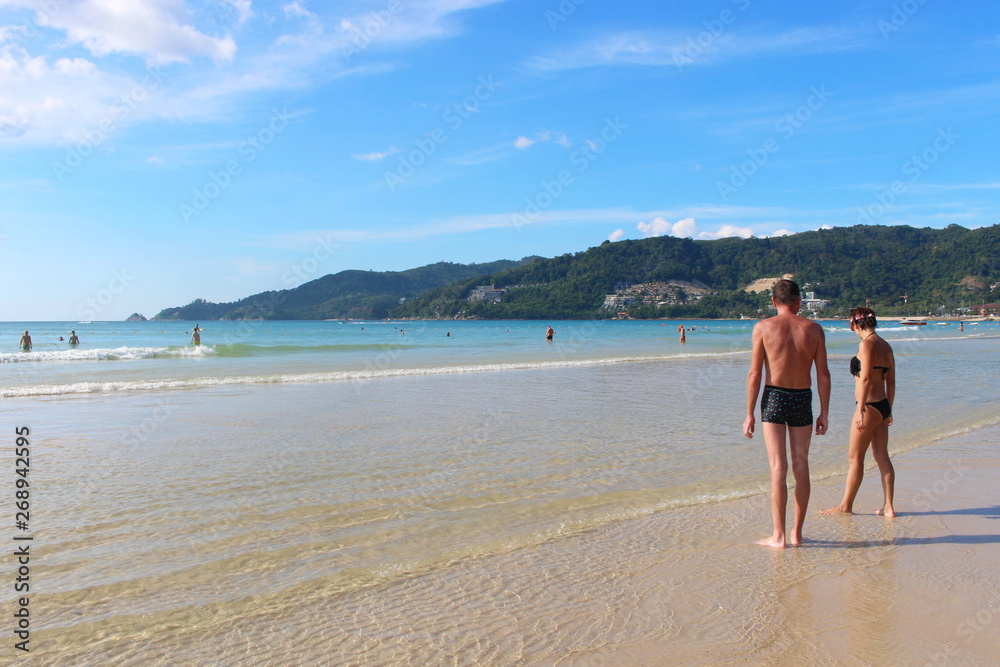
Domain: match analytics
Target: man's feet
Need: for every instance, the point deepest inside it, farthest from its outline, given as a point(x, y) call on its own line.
point(773, 542)
point(839, 509)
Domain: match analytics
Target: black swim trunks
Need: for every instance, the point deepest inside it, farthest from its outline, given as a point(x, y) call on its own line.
point(792, 407)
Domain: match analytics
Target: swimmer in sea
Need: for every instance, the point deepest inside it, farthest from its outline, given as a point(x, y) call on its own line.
point(26, 342)
point(73, 338)
point(196, 336)
point(550, 333)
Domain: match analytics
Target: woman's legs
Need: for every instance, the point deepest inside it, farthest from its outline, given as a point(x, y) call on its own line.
point(858, 445)
point(880, 450)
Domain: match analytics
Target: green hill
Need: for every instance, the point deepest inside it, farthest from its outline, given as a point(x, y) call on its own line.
point(846, 266)
point(348, 294)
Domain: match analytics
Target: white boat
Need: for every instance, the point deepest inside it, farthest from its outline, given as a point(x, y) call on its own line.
point(912, 322)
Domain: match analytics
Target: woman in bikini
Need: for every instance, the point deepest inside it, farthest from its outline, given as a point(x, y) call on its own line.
point(874, 390)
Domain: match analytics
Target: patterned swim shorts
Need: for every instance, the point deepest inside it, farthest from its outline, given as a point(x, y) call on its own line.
point(792, 407)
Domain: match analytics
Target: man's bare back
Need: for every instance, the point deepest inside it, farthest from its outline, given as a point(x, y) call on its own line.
point(785, 348)
point(791, 343)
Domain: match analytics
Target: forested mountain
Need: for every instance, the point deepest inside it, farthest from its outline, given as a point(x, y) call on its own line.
point(348, 294)
point(846, 265)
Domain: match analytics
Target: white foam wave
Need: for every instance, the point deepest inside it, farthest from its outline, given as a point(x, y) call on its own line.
point(105, 354)
point(329, 376)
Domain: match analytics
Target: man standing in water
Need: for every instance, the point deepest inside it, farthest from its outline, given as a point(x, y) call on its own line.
point(786, 346)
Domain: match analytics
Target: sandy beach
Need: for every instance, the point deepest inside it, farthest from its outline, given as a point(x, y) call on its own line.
point(578, 509)
point(686, 586)
point(690, 588)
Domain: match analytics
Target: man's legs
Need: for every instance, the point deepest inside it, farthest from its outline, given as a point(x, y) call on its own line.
point(799, 438)
point(774, 441)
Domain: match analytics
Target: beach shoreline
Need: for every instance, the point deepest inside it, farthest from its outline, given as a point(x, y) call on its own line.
point(575, 509)
point(918, 589)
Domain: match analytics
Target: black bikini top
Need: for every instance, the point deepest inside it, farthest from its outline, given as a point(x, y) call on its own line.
point(856, 367)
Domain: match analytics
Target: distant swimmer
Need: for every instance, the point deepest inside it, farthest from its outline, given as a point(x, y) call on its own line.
point(61, 338)
point(26, 342)
point(680, 327)
point(73, 338)
point(961, 326)
point(448, 335)
point(550, 333)
point(196, 336)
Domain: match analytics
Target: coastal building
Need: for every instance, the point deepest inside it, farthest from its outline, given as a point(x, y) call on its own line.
point(658, 293)
point(486, 293)
point(812, 304)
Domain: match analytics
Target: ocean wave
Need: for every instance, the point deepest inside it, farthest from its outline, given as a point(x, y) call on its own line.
point(331, 376)
point(106, 354)
point(250, 350)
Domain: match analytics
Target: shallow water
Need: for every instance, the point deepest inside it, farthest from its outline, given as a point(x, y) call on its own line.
point(282, 477)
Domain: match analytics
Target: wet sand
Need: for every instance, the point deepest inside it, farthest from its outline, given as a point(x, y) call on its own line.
point(682, 586)
point(687, 586)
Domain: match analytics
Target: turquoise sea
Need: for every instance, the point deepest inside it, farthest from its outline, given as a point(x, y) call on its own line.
point(253, 493)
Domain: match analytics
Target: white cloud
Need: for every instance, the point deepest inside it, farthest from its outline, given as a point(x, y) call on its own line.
point(554, 137)
point(207, 78)
point(616, 235)
point(727, 231)
point(687, 227)
point(375, 157)
point(243, 10)
point(782, 232)
point(297, 10)
point(672, 48)
point(158, 30)
point(44, 101)
point(660, 226)
point(544, 136)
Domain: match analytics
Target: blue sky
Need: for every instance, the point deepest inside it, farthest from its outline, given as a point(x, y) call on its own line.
point(158, 151)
